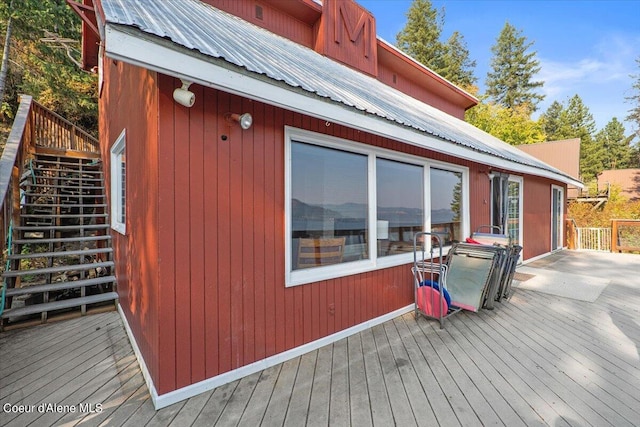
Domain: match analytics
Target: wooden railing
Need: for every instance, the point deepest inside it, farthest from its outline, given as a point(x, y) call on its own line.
point(19, 143)
point(626, 235)
point(35, 129)
point(54, 132)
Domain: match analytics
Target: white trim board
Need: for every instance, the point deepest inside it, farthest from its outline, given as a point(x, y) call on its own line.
point(149, 54)
point(136, 350)
point(164, 400)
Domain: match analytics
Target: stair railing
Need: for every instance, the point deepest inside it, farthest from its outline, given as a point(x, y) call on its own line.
point(55, 132)
point(18, 146)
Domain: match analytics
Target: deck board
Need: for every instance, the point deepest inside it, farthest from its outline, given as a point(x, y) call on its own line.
point(534, 360)
point(318, 414)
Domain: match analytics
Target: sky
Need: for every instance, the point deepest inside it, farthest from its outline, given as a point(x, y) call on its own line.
point(587, 47)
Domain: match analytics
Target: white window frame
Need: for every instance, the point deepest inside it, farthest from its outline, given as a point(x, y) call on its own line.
point(316, 274)
point(520, 181)
point(465, 220)
point(561, 234)
point(117, 150)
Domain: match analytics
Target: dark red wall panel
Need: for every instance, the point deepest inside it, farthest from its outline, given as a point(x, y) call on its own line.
point(130, 96)
point(537, 217)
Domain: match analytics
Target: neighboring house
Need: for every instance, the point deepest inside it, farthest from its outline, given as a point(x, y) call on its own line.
point(563, 155)
point(351, 148)
point(627, 179)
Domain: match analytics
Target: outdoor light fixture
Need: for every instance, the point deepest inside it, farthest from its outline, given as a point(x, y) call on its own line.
point(183, 95)
point(491, 175)
point(245, 120)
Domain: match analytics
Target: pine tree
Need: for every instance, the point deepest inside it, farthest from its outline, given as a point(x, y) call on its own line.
point(420, 39)
point(457, 66)
point(510, 83)
point(634, 112)
point(580, 124)
point(554, 122)
point(618, 152)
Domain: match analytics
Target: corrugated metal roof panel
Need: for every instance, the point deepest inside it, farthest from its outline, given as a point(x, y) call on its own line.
point(217, 34)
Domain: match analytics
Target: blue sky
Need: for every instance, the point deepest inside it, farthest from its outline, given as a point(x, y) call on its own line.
point(587, 48)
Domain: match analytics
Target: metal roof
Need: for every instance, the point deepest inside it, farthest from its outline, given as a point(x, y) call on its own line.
point(208, 31)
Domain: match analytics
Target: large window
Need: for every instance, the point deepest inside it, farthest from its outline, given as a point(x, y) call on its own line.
point(352, 208)
point(329, 206)
point(119, 184)
point(400, 205)
point(447, 205)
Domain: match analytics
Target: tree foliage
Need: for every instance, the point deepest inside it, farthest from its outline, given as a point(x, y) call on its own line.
point(44, 70)
point(575, 121)
point(617, 206)
point(457, 66)
point(420, 39)
point(634, 98)
point(511, 125)
point(510, 83)
point(618, 153)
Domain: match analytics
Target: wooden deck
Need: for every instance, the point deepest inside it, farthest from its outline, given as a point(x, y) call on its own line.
point(536, 360)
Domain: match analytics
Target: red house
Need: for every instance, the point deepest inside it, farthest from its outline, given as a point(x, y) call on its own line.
point(239, 132)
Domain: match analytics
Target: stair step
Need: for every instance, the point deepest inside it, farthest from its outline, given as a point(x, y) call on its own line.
point(62, 227)
point(66, 206)
point(65, 178)
point(59, 305)
point(61, 253)
point(91, 173)
point(88, 187)
point(64, 215)
point(40, 161)
point(28, 193)
point(51, 287)
point(63, 239)
point(57, 269)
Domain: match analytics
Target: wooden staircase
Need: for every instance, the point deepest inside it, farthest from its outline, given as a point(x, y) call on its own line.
point(59, 257)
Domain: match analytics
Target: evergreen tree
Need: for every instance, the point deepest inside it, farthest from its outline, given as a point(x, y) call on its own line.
point(420, 39)
point(510, 83)
point(457, 66)
point(554, 122)
point(634, 112)
point(580, 124)
point(617, 148)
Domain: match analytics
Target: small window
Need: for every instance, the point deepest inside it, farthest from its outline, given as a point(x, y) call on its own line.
point(119, 184)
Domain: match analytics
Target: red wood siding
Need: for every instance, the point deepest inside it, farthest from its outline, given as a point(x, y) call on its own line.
point(274, 19)
point(536, 234)
point(130, 97)
point(221, 228)
point(415, 88)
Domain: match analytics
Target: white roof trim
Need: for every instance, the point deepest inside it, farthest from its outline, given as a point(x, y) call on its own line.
point(143, 51)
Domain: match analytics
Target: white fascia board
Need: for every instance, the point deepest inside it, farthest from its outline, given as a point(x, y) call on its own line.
point(147, 53)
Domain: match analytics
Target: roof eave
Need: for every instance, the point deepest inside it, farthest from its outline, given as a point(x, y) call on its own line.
point(151, 52)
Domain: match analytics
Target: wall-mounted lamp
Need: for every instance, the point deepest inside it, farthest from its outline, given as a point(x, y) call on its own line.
point(183, 95)
point(245, 120)
point(491, 175)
